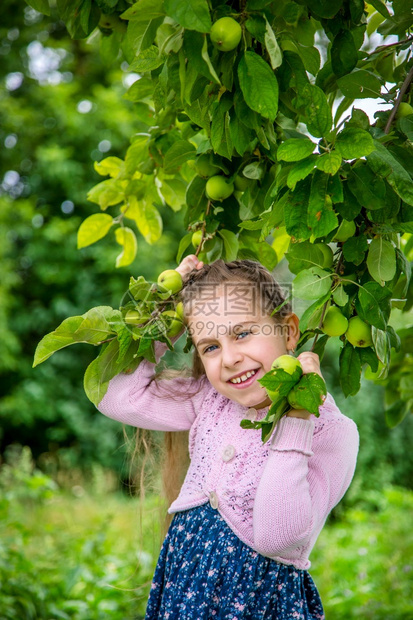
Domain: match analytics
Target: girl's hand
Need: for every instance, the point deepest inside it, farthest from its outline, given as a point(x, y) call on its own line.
point(189, 263)
point(310, 363)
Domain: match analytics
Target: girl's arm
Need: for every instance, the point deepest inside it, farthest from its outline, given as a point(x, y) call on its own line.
point(136, 400)
point(305, 476)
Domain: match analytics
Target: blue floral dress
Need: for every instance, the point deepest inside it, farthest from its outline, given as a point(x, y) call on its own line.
point(205, 572)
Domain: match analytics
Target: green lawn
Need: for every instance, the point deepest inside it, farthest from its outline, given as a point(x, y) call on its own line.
point(81, 555)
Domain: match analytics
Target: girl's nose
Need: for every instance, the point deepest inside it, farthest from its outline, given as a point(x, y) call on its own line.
point(231, 356)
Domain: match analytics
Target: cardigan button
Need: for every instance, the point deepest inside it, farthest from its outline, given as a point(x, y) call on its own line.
point(251, 414)
point(228, 453)
point(213, 500)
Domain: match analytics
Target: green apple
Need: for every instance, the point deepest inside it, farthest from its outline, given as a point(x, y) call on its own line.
point(359, 333)
point(287, 363)
point(272, 394)
point(345, 231)
point(327, 254)
point(179, 309)
point(335, 323)
point(204, 167)
point(292, 398)
point(217, 188)
point(196, 238)
point(225, 34)
point(241, 183)
point(404, 109)
point(170, 280)
point(133, 317)
point(172, 322)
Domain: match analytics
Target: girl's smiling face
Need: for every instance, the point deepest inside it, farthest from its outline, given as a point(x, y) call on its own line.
point(238, 341)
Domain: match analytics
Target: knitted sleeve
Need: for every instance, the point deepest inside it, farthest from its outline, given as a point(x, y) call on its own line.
point(307, 473)
point(133, 399)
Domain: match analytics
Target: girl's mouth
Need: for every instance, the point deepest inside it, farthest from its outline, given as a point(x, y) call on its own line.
point(244, 380)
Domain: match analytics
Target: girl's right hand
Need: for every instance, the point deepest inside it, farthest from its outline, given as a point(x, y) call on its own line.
point(188, 264)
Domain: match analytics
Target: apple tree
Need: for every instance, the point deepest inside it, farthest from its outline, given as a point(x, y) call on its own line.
point(257, 128)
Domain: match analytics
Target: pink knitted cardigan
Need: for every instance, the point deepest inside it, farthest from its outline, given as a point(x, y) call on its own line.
point(275, 496)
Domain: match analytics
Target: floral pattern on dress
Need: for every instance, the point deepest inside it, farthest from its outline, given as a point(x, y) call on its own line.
point(205, 572)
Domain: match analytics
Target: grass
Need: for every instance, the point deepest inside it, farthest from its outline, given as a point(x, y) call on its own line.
point(79, 554)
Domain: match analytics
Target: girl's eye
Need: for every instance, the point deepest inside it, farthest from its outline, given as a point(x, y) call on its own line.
point(240, 334)
point(210, 347)
point(214, 345)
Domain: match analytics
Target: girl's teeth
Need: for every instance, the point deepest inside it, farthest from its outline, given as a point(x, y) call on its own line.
point(242, 378)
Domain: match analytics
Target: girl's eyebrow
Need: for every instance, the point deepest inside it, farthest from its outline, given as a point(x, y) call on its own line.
point(205, 340)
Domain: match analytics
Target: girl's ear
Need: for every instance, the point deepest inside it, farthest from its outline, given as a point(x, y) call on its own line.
point(292, 321)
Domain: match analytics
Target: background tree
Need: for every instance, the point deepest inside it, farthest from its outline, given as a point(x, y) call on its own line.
point(259, 99)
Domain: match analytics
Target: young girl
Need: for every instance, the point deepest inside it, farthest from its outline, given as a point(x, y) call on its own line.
point(248, 513)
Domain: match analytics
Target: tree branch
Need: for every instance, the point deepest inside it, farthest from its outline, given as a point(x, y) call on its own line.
point(402, 91)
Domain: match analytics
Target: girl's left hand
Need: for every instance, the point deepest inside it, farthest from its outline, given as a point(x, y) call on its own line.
point(310, 362)
point(189, 263)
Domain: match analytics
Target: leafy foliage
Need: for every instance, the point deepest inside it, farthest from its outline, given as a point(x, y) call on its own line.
point(271, 111)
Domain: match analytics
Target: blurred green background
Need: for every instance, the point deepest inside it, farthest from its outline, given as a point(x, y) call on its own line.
point(70, 542)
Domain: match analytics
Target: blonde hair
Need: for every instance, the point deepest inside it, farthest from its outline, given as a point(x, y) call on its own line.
point(175, 450)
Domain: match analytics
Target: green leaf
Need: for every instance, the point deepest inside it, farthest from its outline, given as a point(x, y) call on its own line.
point(381, 260)
point(184, 243)
point(273, 49)
point(42, 6)
point(104, 365)
point(140, 89)
point(360, 84)
point(174, 191)
point(93, 228)
point(280, 381)
point(396, 413)
point(303, 256)
point(146, 217)
point(148, 60)
point(382, 162)
point(375, 304)
point(312, 283)
point(93, 327)
point(340, 296)
point(406, 126)
point(355, 248)
point(258, 85)
point(241, 135)
point(112, 166)
point(127, 239)
point(179, 153)
point(325, 8)
point(329, 162)
point(231, 244)
point(318, 116)
point(106, 193)
point(350, 370)
point(301, 170)
point(295, 149)
point(367, 187)
point(344, 55)
point(141, 34)
point(321, 218)
point(144, 10)
point(191, 14)
point(309, 392)
point(354, 142)
point(311, 318)
point(208, 62)
point(295, 212)
point(220, 128)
